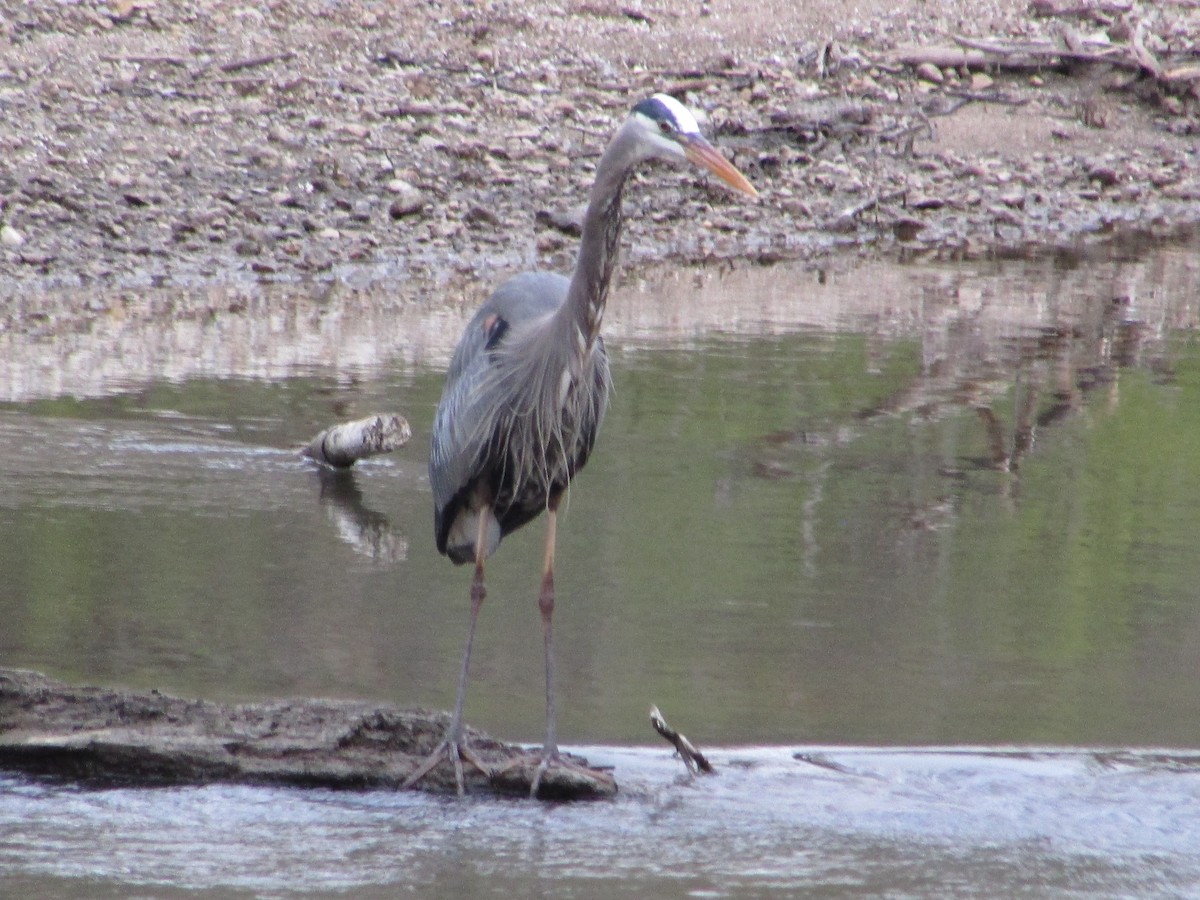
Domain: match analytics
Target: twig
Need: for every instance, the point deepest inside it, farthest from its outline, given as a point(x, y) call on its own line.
point(981, 97)
point(147, 60)
point(976, 54)
point(692, 758)
point(1038, 48)
point(1049, 9)
point(256, 61)
point(1144, 57)
point(844, 220)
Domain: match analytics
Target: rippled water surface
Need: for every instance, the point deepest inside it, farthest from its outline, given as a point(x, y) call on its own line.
point(904, 521)
point(839, 822)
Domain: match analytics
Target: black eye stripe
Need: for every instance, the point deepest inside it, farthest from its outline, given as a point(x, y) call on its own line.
point(654, 109)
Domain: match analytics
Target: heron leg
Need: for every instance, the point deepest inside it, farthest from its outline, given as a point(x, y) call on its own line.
point(452, 745)
point(550, 757)
point(546, 607)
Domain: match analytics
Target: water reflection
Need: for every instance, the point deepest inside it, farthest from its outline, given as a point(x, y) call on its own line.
point(367, 530)
point(891, 505)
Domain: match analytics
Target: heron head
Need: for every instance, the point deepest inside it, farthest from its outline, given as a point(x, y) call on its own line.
point(666, 129)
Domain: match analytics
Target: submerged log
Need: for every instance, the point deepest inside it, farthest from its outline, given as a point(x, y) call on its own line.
point(103, 737)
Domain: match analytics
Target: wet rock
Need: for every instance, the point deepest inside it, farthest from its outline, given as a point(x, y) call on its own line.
point(11, 237)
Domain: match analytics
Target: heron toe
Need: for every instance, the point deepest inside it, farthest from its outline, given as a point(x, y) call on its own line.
point(455, 752)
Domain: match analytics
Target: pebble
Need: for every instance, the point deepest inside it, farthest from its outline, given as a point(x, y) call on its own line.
point(10, 237)
point(929, 72)
point(568, 221)
point(907, 228)
point(923, 202)
point(409, 199)
point(1013, 199)
point(285, 137)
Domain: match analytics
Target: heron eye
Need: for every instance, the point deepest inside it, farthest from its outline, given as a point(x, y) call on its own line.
point(665, 127)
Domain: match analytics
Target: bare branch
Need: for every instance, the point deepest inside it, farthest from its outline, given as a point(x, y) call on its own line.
point(692, 758)
point(256, 61)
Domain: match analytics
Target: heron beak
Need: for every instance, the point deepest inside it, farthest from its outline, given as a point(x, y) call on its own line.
point(704, 154)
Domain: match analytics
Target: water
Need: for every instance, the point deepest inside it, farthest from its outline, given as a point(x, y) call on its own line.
point(903, 518)
point(899, 823)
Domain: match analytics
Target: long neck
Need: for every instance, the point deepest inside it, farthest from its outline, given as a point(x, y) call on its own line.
point(599, 246)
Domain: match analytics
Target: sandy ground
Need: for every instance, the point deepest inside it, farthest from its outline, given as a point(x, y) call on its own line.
point(147, 142)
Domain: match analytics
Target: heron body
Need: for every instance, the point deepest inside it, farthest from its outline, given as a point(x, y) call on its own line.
point(500, 449)
point(527, 389)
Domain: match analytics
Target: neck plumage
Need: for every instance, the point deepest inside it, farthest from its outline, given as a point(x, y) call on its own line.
point(598, 247)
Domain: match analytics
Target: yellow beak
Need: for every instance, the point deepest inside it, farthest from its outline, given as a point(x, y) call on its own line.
point(704, 154)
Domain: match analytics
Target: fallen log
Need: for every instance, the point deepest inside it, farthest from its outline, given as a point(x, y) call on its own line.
point(105, 737)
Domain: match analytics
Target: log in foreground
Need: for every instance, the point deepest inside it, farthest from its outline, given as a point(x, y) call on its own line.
point(104, 737)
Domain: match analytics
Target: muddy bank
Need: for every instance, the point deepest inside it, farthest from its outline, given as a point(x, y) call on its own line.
point(106, 737)
point(155, 143)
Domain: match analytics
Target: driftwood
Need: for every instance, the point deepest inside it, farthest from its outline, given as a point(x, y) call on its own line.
point(341, 446)
point(98, 736)
point(1173, 73)
point(692, 758)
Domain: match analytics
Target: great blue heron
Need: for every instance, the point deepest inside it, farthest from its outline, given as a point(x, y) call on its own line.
point(526, 392)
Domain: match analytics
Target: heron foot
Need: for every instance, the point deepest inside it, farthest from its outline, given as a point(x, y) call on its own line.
point(556, 777)
point(455, 751)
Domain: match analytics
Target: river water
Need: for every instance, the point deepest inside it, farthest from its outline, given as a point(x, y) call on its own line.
point(908, 547)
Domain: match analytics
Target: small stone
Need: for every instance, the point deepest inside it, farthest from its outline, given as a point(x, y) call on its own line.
point(1105, 176)
point(355, 130)
point(10, 237)
point(277, 134)
point(927, 71)
point(981, 81)
point(1172, 105)
point(481, 215)
point(1013, 199)
point(907, 229)
point(922, 202)
point(568, 221)
point(408, 200)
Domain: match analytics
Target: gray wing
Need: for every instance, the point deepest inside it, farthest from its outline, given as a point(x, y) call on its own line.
point(457, 453)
